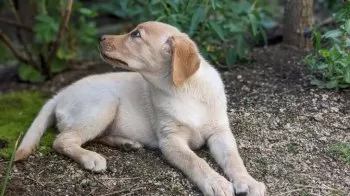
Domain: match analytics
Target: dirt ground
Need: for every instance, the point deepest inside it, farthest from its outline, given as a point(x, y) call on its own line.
point(284, 128)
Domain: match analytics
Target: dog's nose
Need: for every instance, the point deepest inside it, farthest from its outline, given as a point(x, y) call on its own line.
point(101, 38)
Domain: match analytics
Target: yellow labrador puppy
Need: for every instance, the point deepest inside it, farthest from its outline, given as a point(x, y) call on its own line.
point(174, 101)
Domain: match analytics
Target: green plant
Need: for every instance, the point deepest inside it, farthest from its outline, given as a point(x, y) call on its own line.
point(224, 29)
point(18, 111)
point(341, 151)
point(9, 167)
point(55, 39)
point(331, 60)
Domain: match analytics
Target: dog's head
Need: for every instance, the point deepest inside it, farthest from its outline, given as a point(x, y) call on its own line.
point(151, 47)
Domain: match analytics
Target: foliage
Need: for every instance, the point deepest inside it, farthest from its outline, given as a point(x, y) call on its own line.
point(9, 167)
point(329, 4)
point(224, 29)
point(79, 35)
point(341, 150)
point(20, 109)
point(331, 59)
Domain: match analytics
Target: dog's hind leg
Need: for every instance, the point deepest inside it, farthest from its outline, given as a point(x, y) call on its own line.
point(120, 142)
point(87, 124)
point(69, 144)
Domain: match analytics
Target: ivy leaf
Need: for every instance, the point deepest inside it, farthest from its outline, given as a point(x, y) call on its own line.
point(45, 28)
point(28, 73)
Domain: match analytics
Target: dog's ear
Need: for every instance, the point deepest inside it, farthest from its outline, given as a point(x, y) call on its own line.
point(185, 58)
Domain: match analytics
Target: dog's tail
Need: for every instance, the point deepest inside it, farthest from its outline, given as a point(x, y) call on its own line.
point(31, 139)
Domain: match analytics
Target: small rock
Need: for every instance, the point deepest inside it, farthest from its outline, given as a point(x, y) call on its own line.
point(334, 109)
point(287, 126)
point(324, 105)
point(324, 97)
point(245, 88)
point(323, 139)
point(318, 117)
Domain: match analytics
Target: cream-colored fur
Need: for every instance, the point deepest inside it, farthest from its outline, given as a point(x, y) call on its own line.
point(174, 101)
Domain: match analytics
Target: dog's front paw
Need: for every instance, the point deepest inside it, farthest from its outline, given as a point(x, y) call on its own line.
point(247, 186)
point(93, 161)
point(217, 186)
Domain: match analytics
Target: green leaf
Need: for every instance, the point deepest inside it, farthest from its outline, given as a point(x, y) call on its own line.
point(332, 34)
point(347, 42)
point(65, 54)
point(45, 28)
point(196, 18)
point(321, 66)
point(332, 84)
point(347, 26)
point(239, 46)
point(213, 4)
point(317, 39)
point(318, 83)
point(324, 53)
point(87, 12)
point(253, 24)
point(347, 76)
point(230, 57)
point(218, 30)
point(28, 73)
point(58, 65)
point(173, 5)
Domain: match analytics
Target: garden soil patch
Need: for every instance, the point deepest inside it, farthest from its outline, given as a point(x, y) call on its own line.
point(284, 127)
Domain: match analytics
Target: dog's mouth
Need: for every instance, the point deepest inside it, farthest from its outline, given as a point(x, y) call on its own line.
point(121, 62)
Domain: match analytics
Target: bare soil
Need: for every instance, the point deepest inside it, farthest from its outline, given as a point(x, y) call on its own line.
point(284, 128)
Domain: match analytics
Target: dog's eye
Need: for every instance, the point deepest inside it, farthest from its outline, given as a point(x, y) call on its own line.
point(135, 34)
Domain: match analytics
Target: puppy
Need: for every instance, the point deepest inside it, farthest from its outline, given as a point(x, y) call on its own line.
point(174, 100)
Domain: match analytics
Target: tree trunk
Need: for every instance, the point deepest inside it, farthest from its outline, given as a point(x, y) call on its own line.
point(297, 23)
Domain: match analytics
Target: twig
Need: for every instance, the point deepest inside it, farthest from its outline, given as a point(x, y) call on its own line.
point(124, 190)
point(303, 187)
point(35, 181)
point(115, 192)
point(16, 24)
point(317, 187)
point(119, 178)
point(288, 192)
point(326, 22)
point(13, 8)
point(134, 190)
point(14, 51)
point(20, 37)
point(62, 28)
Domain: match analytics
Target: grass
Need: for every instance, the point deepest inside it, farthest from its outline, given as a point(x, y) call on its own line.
point(17, 111)
point(9, 167)
point(341, 151)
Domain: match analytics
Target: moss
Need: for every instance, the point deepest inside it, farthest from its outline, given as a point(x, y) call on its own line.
point(17, 111)
point(341, 151)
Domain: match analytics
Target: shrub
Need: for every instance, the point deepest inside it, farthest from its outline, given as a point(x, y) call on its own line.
point(224, 29)
point(331, 60)
point(55, 39)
